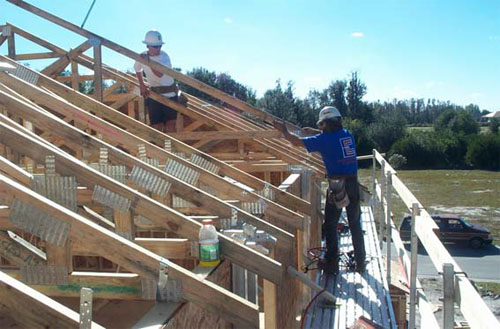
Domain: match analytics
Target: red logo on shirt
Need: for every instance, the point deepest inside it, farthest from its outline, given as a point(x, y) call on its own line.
point(347, 147)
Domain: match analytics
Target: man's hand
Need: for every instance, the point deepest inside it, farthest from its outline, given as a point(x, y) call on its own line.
point(281, 126)
point(144, 90)
point(308, 131)
point(145, 56)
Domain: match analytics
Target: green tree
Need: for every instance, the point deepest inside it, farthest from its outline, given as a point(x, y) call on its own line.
point(483, 152)
point(457, 121)
point(387, 130)
point(494, 125)
point(337, 96)
point(356, 90)
point(280, 102)
point(221, 81)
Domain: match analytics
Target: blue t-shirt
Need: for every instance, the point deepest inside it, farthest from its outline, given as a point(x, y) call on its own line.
point(338, 150)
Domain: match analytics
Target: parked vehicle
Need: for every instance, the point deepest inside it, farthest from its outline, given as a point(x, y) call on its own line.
point(453, 229)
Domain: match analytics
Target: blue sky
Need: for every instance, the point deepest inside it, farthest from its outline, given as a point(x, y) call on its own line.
point(447, 49)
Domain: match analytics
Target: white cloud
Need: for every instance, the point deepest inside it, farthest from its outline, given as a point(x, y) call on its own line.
point(228, 20)
point(358, 34)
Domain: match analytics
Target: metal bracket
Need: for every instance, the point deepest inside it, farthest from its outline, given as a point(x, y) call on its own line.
point(94, 41)
point(86, 308)
point(6, 31)
point(168, 289)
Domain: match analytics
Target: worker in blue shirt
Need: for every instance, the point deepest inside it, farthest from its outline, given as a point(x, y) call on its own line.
point(338, 150)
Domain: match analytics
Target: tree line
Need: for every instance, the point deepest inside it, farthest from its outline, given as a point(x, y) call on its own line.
point(451, 137)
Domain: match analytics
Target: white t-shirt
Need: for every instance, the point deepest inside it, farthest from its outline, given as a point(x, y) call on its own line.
point(152, 78)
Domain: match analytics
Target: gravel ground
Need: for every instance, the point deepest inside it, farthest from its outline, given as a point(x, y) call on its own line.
point(433, 291)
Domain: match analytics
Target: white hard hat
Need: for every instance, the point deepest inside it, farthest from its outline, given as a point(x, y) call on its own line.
point(153, 38)
point(328, 112)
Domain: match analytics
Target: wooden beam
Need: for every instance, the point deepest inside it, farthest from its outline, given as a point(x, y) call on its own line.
point(137, 259)
point(150, 134)
point(15, 172)
point(27, 57)
point(275, 213)
point(28, 143)
point(154, 65)
point(75, 80)
point(168, 248)
point(219, 135)
point(32, 309)
point(98, 88)
point(17, 254)
point(124, 99)
point(58, 66)
point(105, 285)
point(37, 40)
point(11, 44)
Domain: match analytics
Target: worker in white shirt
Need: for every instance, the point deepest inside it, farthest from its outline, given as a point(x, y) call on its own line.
point(161, 117)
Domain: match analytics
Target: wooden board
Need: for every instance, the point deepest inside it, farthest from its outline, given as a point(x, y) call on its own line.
point(358, 295)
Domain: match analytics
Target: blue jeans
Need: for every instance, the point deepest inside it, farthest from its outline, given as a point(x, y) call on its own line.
point(332, 216)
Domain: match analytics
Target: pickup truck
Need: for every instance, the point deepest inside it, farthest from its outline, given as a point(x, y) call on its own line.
point(452, 229)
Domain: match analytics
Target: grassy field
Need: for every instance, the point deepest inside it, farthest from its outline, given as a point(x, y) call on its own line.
point(483, 129)
point(472, 194)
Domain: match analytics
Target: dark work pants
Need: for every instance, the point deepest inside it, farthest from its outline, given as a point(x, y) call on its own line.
point(332, 216)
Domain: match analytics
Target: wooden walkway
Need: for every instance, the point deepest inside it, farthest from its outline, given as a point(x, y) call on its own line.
point(358, 295)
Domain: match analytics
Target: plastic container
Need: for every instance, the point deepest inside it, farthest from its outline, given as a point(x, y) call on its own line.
point(209, 244)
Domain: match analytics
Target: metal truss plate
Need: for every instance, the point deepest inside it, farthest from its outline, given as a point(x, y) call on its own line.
point(182, 172)
point(178, 202)
point(168, 145)
point(255, 208)
point(25, 74)
point(118, 173)
point(204, 163)
point(149, 181)
point(267, 192)
point(44, 274)
point(110, 199)
point(36, 221)
point(62, 190)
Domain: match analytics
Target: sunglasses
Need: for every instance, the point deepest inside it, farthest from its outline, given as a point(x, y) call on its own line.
point(155, 47)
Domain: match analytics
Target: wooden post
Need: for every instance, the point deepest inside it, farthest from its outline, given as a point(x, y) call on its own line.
point(449, 294)
point(413, 269)
point(11, 44)
point(374, 184)
point(74, 75)
point(124, 224)
point(382, 202)
point(98, 89)
point(60, 256)
point(270, 301)
point(388, 226)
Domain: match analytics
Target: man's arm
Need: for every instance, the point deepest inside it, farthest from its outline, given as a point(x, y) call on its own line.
point(142, 86)
point(292, 138)
point(157, 73)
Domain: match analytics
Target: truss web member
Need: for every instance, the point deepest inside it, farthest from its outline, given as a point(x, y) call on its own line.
point(161, 117)
point(338, 150)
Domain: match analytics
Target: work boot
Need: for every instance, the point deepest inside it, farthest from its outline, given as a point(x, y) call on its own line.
point(360, 266)
point(330, 266)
